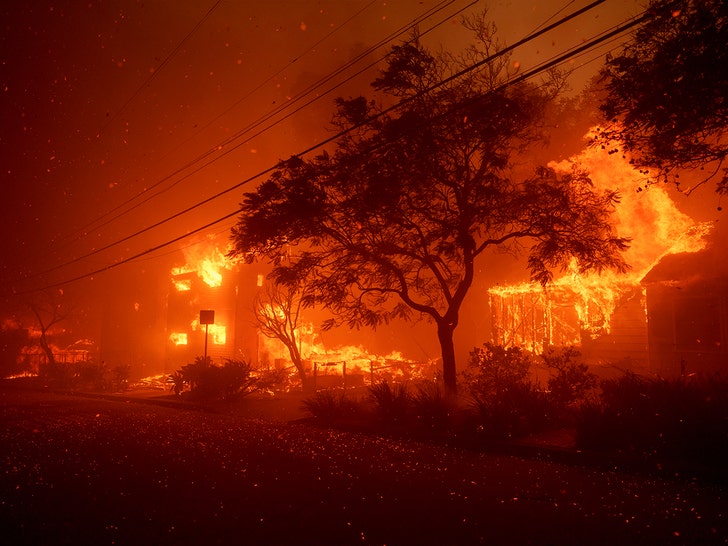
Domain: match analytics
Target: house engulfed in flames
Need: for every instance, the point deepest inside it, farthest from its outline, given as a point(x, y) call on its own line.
point(668, 315)
point(209, 281)
point(669, 321)
point(605, 319)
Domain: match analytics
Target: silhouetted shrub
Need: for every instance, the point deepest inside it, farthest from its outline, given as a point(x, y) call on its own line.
point(391, 402)
point(275, 380)
point(329, 406)
point(520, 410)
point(572, 381)
point(208, 381)
point(176, 382)
point(505, 402)
point(493, 370)
point(685, 419)
point(432, 408)
point(57, 374)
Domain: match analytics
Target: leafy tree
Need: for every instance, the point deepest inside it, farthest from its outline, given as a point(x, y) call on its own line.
point(391, 222)
point(278, 312)
point(667, 90)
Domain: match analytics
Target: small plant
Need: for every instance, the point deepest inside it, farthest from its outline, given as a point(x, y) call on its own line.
point(330, 406)
point(177, 382)
point(433, 410)
point(505, 402)
point(208, 381)
point(572, 381)
point(392, 402)
point(493, 370)
point(681, 419)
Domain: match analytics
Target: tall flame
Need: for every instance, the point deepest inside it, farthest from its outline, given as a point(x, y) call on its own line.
point(527, 315)
point(208, 262)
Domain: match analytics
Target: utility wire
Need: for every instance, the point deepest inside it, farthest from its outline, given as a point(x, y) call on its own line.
point(228, 149)
point(522, 77)
point(225, 143)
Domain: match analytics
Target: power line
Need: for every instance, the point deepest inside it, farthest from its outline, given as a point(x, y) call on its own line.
point(573, 52)
point(225, 144)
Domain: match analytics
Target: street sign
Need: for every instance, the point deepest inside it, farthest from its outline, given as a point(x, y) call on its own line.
point(207, 316)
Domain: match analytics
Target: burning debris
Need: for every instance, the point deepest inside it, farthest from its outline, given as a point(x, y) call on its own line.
point(209, 279)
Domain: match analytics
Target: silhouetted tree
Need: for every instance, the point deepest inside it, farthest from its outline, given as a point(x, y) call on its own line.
point(278, 313)
point(667, 90)
point(393, 220)
point(49, 310)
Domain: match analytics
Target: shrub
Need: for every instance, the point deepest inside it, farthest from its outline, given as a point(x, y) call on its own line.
point(505, 402)
point(493, 370)
point(177, 382)
point(685, 419)
point(517, 411)
point(211, 382)
point(330, 406)
point(391, 402)
point(432, 408)
point(572, 382)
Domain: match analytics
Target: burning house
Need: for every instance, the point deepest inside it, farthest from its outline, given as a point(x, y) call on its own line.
point(208, 281)
point(605, 319)
point(666, 313)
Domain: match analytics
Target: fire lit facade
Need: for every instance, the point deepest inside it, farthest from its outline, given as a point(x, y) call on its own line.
point(608, 323)
point(673, 321)
point(233, 334)
point(687, 308)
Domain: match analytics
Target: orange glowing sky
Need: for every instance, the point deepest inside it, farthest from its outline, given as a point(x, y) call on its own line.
point(110, 106)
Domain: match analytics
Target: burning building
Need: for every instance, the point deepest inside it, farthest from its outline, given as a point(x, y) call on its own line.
point(209, 281)
point(669, 310)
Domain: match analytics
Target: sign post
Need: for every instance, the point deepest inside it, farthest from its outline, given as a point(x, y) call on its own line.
point(207, 317)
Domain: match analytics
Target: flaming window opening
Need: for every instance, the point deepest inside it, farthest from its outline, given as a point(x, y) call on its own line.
point(178, 338)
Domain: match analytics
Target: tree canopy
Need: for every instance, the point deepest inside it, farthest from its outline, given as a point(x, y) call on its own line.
point(666, 91)
point(391, 221)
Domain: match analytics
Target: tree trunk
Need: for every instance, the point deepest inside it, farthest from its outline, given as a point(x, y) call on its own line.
point(445, 332)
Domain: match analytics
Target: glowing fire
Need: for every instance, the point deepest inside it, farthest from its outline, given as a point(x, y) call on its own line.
point(575, 305)
point(343, 360)
point(182, 285)
point(178, 338)
point(216, 332)
point(208, 262)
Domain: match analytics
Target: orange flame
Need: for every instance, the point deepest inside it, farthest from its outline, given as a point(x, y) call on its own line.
point(529, 316)
point(217, 332)
point(207, 262)
point(178, 338)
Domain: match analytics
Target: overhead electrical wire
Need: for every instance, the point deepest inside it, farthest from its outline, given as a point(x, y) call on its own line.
point(161, 66)
point(542, 68)
point(555, 61)
point(225, 143)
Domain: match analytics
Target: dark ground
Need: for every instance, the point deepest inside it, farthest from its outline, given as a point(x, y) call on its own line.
point(81, 470)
